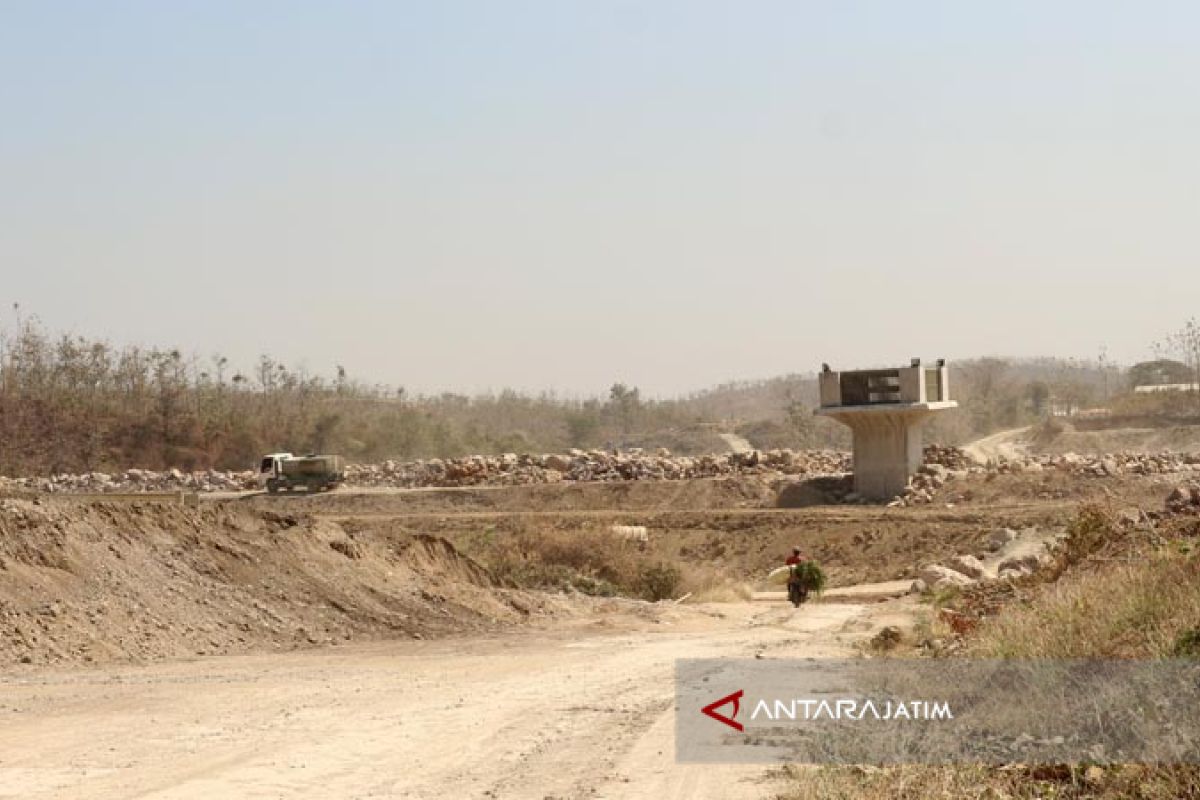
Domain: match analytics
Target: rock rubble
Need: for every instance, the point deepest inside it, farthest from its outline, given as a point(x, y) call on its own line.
point(1184, 499)
point(941, 466)
point(1012, 554)
point(1101, 465)
point(135, 480)
point(592, 465)
point(945, 464)
point(508, 469)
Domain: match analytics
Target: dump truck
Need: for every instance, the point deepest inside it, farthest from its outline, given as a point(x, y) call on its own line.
point(315, 473)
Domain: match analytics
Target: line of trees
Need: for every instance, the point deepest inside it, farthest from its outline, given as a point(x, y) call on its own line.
point(68, 403)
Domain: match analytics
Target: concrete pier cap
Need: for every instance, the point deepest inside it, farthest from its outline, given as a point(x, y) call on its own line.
point(885, 409)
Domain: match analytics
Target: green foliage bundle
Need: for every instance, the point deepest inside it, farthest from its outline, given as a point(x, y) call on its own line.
point(811, 576)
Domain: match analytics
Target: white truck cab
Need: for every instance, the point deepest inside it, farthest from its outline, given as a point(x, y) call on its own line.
point(271, 466)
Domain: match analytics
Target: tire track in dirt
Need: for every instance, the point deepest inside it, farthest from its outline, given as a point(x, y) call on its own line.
point(569, 714)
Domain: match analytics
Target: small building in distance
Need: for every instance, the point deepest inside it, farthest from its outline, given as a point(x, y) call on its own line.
point(1167, 387)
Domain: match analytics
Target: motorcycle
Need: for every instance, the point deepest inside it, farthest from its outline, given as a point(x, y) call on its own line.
point(797, 592)
point(804, 578)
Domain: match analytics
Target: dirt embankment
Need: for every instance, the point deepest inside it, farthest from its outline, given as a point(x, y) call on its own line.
point(94, 582)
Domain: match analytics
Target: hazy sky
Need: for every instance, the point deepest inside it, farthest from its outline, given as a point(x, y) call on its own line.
point(453, 195)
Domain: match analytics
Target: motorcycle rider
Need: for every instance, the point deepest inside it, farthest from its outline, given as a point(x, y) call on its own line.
point(796, 592)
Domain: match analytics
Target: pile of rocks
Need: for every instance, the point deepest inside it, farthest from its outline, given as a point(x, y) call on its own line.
point(591, 465)
point(135, 480)
point(508, 469)
point(945, 464)
point(1105, 465)
point(1010, 554)
point(927, 480)
point(949, 457)
point(1184, 499)
point(942, 465)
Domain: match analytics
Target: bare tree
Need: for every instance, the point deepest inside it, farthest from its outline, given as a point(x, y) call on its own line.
point(1185, 344)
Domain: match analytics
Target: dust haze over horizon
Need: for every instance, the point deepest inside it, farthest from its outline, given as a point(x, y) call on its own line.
point(537, 195)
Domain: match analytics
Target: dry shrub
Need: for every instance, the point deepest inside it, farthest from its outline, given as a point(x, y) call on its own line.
point(1094, 530)
point(1187, 644)
point(657, 581)
point(595, 562)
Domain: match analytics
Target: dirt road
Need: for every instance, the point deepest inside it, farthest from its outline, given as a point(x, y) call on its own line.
point(735, 443)
point(998, 446)
point(582, 711)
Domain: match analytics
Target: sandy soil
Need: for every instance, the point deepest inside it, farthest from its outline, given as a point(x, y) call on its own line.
point(585, 711)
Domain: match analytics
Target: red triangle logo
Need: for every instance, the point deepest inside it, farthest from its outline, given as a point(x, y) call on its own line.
point(710, 710)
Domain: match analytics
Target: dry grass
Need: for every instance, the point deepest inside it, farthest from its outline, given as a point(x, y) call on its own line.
point(1122, 610)
point(989, 783)
point(1114, 598)
point(1113, 592)
point(592, 561)
point(596, 560)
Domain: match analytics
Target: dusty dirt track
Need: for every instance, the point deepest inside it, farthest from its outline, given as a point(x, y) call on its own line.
point(585, 711)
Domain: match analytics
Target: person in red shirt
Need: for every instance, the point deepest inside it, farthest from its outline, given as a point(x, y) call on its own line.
point(795, 558)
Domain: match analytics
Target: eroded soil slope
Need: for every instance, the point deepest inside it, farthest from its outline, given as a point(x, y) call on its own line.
point(84, 582)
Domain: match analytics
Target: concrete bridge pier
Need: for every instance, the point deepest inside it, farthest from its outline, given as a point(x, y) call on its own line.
point(887, 448)
point(885, 409)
